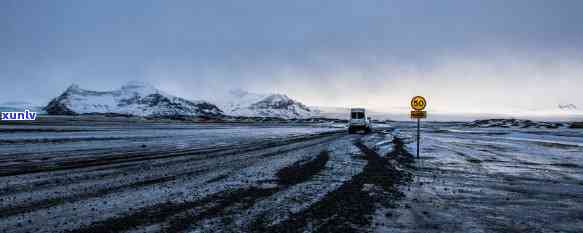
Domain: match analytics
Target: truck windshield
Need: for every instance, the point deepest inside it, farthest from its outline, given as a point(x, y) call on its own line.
point(357, 115)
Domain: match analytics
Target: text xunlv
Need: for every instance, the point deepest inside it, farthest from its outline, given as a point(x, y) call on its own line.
point(18, 116)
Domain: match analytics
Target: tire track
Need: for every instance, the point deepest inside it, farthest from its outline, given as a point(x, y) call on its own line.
point(302, 171)
point(55, 201)
point(349, 208)
point(180, 216)
point(128, 157)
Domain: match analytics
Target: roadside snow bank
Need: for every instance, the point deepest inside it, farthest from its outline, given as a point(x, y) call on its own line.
point(514, 123)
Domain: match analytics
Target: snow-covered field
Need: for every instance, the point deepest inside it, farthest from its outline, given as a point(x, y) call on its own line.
point(491, 180)
point(115, 176)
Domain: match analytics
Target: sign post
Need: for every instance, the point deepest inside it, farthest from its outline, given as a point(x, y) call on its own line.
point(418, 103)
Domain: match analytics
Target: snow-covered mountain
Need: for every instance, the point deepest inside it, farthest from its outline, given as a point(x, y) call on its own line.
point(133, 98)
point(568, 107)
point(243, 103)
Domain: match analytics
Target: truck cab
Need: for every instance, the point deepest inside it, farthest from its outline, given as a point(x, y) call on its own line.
point(359, 120)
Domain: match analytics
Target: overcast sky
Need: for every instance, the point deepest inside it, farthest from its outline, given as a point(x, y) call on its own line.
point(478, 56)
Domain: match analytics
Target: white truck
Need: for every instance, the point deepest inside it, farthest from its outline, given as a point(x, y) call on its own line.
point(359, 121)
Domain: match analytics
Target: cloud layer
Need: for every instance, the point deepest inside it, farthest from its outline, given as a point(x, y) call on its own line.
point(466, 56)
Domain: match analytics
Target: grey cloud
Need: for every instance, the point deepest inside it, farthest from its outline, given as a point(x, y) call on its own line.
point(315, 50)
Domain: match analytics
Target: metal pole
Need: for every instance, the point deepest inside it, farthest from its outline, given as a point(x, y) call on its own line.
point(418, 137)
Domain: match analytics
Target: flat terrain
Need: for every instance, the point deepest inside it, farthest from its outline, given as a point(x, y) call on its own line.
point(67, 175)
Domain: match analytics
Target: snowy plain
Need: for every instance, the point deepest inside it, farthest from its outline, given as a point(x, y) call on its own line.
point(72, 175)
point(491, 180)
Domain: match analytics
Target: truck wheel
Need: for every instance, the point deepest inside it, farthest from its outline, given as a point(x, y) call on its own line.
point(350, 131)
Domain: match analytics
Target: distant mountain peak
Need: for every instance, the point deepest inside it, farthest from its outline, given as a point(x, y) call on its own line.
point(244, 103)
point(133, 98)
point(567, 107)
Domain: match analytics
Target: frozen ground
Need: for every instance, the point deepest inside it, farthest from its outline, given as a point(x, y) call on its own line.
point(491, 180)
point(113, 176)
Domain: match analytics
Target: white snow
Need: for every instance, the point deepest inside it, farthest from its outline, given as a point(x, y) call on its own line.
point(514, 123)
point(243, 103)
point(124, 101)
point(489, 180)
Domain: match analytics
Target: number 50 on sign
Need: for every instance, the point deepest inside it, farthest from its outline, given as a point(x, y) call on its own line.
point(418, 103)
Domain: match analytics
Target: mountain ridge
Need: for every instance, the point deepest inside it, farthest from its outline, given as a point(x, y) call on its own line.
point(248, 104)
point(133, 98)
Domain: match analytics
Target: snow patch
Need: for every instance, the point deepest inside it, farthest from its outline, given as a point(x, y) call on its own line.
point(514, 123)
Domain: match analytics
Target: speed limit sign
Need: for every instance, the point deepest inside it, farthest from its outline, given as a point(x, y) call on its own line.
point(418, 103)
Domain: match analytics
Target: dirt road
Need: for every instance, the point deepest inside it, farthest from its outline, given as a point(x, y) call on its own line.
point(171, 177)
point(269, 179)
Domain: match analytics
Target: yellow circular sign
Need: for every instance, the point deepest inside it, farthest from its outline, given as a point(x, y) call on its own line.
point(418, 103)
